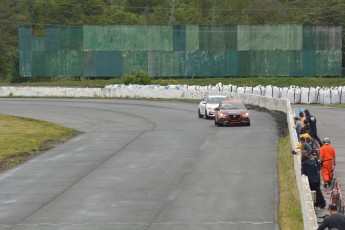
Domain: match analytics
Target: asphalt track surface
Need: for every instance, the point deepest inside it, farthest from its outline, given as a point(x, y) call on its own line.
point(142, 165)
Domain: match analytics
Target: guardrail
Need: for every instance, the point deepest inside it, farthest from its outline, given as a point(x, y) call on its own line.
point(337, 195)
point(279, 104)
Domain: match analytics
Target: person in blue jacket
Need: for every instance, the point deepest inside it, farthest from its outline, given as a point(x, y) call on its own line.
point(312, 122)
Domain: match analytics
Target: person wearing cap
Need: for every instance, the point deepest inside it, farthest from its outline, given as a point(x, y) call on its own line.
point(334, 221)
point(312, 122)
point(327, 155)
point(301, 117)
point(311, 170)
point(298, 126)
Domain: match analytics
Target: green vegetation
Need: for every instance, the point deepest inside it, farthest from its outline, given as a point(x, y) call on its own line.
point(290, 212)
point(141, 77)
point(23, 138)
point(157, 12)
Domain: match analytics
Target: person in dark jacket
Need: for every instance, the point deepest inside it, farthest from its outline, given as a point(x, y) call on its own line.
point(334, 221)
point(311, 170)
point(312, 122)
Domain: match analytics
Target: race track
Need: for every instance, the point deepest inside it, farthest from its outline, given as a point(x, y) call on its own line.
point(142, 165)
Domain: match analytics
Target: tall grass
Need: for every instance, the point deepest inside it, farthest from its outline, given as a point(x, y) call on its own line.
point(290, 212)
point(23, 138)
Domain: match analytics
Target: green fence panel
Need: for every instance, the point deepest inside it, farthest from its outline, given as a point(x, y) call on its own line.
point(25, 38)
point(94, 38)
point(154, 38)
point(167, 38)
point(154, 63)
point(244, 63)
point(90, 63)
point(134, 38)
point(108, 63)
point(70, 63)
point(205, 50)
point(192, 37)
point(132, 61)
point(230, 37)
point(202, 63)
point(52, 38)
point(328, 37)
point(243, 37)
point(289, 37)
point(231, 63)
point(263, 63)
point(170, 64)
point(205, 38)
point(283, 59)
point(38, 43)
point(328, 63)
point(217, 34)
point(263, 37)
point(71, 38)
point(295, 63)
point(25, 63)
point(38, 63)
point(52, 62)
point(308, 62)
point(179, 37)
point(309, 37)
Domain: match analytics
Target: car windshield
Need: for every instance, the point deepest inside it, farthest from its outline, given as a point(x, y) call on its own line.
point(228, 106)
point(215, 100)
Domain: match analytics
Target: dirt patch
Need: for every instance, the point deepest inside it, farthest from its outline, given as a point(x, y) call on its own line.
point(280, 118)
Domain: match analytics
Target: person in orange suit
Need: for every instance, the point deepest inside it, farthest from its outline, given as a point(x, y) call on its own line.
point(327, 155)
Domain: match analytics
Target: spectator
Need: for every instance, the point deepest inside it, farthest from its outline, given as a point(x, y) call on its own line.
point(312, 122)
point(306, 127)
point(301, 117)
point(334, 221)
point(311, 170)
point(305, 136)
point(298, 127)
point(306, 148)
point(327, 155)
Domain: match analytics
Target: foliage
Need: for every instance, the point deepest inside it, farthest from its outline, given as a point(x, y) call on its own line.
point(139, 77)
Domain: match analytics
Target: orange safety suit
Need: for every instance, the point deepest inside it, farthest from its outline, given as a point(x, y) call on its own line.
point(327, 155)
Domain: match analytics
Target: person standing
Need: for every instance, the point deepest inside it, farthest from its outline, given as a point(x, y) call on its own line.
point(327, 155)
point(312, 122)
point(334, 221)
point(311, 170)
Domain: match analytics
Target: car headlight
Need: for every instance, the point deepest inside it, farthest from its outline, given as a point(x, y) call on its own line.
point(246, 114)
point(222, 115)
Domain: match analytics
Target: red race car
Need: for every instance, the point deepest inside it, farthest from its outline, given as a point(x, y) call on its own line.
point(231, 112)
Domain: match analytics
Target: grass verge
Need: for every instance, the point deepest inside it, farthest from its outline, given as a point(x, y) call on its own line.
point(290, 212)
point(22, 138)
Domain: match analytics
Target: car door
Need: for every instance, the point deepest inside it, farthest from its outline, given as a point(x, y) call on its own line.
point(202, 106)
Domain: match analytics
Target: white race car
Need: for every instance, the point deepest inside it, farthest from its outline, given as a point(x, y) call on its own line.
point(208, 104)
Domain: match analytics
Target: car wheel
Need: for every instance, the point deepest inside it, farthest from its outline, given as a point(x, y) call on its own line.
point(218, 124)
point(215, 122)
point(200, 115)
point(206, 116)
point(248, 124)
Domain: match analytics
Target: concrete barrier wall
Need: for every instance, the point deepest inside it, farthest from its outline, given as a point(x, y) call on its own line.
point(271, 103)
